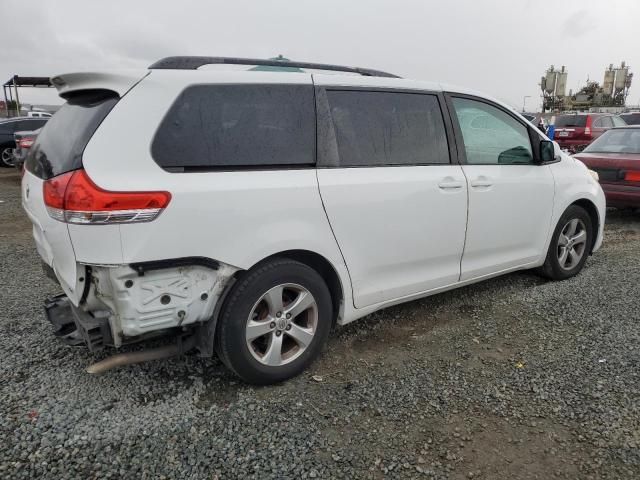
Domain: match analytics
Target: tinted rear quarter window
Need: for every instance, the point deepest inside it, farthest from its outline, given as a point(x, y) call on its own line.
point(631, 118)
point(233, 126)
point(387, 128)
point(34, 124)
point(571, 121)
point(59, 146)
point(8, 127)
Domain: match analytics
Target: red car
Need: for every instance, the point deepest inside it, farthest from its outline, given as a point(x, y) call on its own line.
point(575, 131)
point(616, 158)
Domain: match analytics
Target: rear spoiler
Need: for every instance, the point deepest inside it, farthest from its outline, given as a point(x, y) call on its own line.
point(120, 82)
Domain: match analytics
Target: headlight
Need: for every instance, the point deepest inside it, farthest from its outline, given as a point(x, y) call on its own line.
point(594, 175)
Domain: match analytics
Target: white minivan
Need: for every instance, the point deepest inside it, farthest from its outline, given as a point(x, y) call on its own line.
point(248, 212)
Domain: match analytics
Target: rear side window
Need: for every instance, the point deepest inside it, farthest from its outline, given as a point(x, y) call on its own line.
point(6, 127)
point(603, 122)
point(387, 128)
point(227, 126)
point(631, 118)
point(33, 124)
point(571, 121)
point(11, 126)
point(59, 146)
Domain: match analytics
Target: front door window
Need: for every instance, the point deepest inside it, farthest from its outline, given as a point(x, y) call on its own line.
point(491, 136)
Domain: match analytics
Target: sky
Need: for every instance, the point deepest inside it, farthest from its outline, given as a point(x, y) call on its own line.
point(500, 47)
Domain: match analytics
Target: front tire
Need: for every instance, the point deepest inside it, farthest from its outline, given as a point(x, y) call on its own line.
point(275, 322)
point(570, 245)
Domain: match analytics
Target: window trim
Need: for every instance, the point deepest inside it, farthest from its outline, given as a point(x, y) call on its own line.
point(534, 136)
point(239, 168)
point(327, 147)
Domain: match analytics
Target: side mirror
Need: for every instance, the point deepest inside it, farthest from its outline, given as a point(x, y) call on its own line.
point(547, 151)
point(515, 155)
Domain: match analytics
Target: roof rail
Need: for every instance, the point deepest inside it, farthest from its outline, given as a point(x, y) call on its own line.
point(193, 63)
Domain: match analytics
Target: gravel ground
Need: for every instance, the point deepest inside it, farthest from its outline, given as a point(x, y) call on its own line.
point(512, 378)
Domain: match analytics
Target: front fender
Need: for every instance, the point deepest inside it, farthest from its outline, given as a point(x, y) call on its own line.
point(573, 183)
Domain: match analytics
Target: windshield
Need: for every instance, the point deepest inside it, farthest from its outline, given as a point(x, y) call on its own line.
point(571, 121)
point(58, 149)
point(624, 140)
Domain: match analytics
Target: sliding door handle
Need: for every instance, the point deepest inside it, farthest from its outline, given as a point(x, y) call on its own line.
point(481, 182)
point(450, 185)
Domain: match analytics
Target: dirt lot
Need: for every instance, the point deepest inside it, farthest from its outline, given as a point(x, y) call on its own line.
point(513, 378)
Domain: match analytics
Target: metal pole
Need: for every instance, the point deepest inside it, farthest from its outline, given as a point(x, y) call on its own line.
point(17, 98)
point(10, 99)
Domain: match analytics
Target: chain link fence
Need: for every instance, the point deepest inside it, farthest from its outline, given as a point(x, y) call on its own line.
point(9, 113)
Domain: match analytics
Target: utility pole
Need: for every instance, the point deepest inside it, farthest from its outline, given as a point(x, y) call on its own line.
point(17, 98)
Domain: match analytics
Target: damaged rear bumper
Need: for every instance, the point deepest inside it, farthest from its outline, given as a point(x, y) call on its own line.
point(125, 304)
point(76, 327)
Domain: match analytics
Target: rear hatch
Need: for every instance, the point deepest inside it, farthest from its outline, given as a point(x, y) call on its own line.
point(571, 127)
point(57, 150)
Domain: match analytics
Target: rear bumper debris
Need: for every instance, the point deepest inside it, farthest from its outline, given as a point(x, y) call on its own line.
point(76, 327)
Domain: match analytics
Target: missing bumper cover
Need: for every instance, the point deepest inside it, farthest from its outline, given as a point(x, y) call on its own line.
point(74, 326)
point(142, 267)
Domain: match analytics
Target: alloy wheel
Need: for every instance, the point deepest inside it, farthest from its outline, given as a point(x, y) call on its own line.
point(281, 324)
point(572, 244)
point(6, 156)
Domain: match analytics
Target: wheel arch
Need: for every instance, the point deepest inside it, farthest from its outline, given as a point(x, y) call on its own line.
point(326, 270)
point(206, 333)
point(592, 210)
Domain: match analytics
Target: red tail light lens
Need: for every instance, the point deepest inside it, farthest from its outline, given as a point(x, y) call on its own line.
point(74, 198)
point(26, 142)
point(632, 176)
point(587, 128)
point(53, 190)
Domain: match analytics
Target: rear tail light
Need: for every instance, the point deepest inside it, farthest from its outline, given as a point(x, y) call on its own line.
point(74, 198)
point(587, 128)
point(26, 142)
point(632, 176)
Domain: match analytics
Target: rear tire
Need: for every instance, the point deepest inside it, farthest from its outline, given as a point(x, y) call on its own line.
point(6, 156)
point(275, 322)
point(570, 245)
